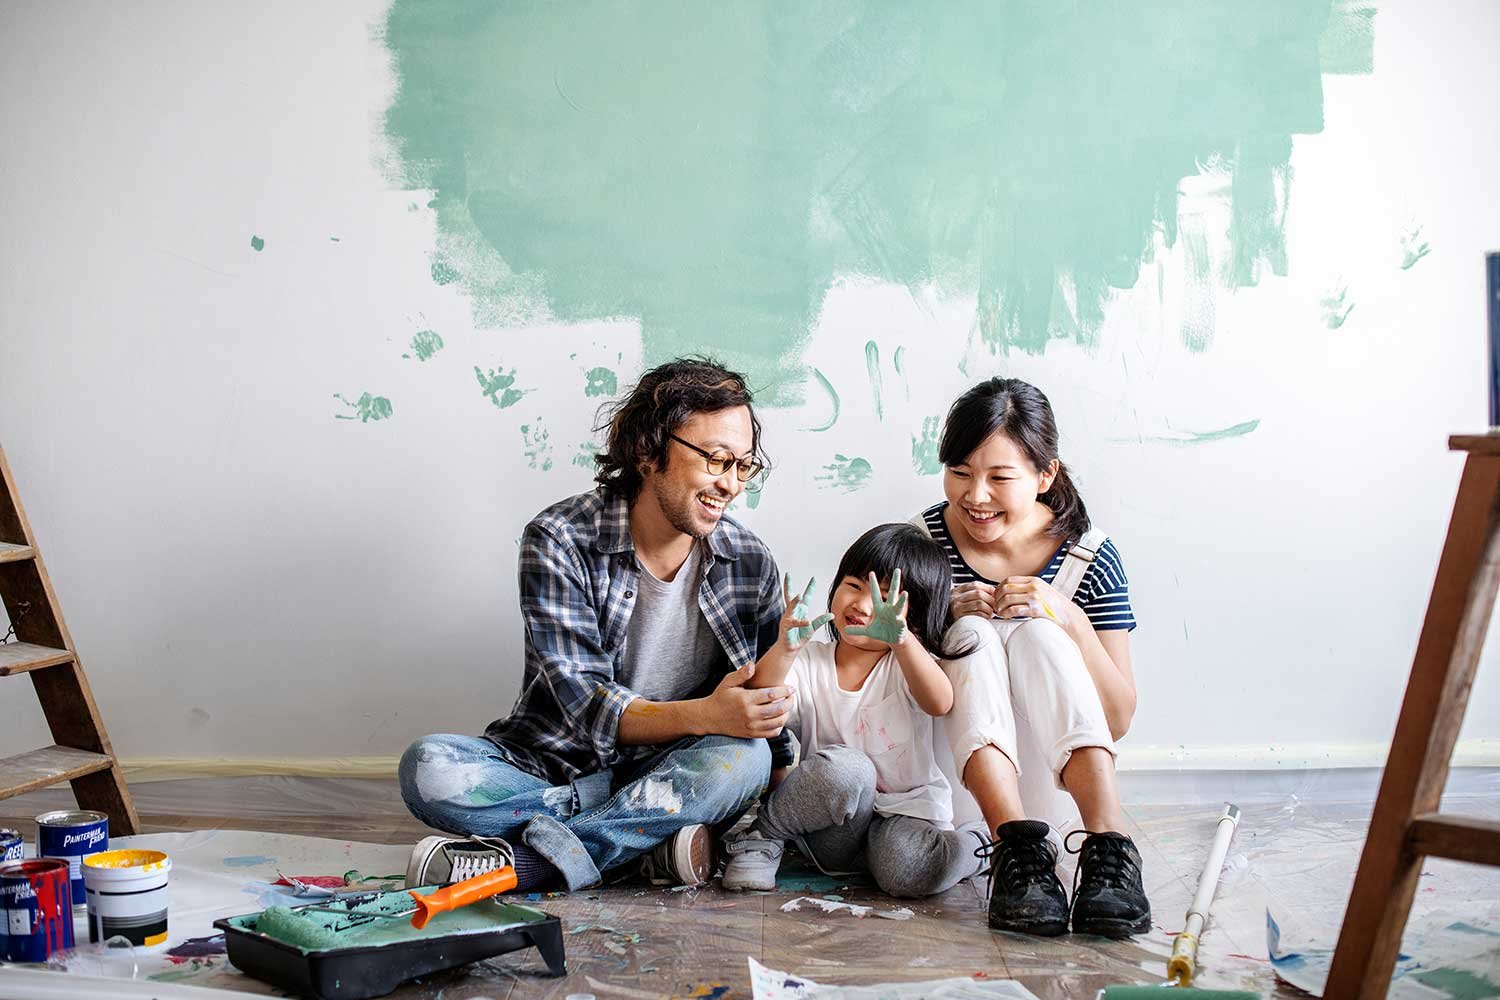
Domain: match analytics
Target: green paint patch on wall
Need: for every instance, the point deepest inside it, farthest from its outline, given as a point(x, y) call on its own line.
point(499, 386)
point(600, 382)
point(1336, 305)
point(710, 169)
point(536, 445)
point(257, 244)
point(844, 474)
point(364, 409)
point(424, 344)
point(924, 449)
point(1201, 437)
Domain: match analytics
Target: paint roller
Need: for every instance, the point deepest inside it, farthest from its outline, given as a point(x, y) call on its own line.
point(1183, 963)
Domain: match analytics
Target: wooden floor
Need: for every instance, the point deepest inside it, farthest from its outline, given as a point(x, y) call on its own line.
point(639, 942)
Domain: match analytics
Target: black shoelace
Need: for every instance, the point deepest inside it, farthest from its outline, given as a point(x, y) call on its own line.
point(1106, 859)
point(1018, 862)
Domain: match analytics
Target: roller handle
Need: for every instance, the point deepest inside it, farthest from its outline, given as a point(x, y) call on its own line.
point(470, 890)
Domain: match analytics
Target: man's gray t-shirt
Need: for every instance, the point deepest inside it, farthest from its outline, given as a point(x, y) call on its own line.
point(669, 647)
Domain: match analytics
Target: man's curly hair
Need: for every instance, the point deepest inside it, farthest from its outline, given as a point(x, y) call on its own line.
point(639, 424)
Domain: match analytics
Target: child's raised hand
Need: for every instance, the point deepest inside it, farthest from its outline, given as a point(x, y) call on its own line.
point(888, 616)
point(796, 629)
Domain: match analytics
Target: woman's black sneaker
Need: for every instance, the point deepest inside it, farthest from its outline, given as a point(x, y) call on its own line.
point(1108, 898)
point(1025, 894)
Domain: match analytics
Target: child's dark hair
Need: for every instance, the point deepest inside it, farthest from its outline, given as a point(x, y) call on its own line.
point(1022, 413)
point(926, 577)
point(640, 425)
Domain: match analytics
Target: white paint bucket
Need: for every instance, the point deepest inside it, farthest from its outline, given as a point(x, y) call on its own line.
point(127, 895)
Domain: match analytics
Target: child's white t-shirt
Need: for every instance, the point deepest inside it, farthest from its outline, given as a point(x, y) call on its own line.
point(882, 720)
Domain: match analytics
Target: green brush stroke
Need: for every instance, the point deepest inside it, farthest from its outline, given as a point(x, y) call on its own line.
point(1461, 984)
point(424, 344)
point(257, 244)
point(600, 382)
point(844, 474)
point(1198, 292)
point(711, 169)
point(1336, 307)
point(833, 397)
point(1347, 44)
point(899, 361)
point(872, 368)
point(1203, 437)
point(366, 408)
point(537, 445)
point(924, 450)
point(499, 386)
point(584, 456)
point(1413, 247)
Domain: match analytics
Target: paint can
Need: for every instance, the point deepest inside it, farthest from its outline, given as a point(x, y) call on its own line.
point(127, 895)
point(71, 834)
point(10, 845)
point(36, 912)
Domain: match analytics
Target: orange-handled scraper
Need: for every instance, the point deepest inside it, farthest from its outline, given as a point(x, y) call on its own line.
point(470, 890)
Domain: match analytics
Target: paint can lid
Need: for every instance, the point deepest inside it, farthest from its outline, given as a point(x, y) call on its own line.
point(70, 817)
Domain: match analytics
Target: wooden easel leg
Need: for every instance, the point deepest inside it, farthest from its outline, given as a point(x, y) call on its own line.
point(1458, 615)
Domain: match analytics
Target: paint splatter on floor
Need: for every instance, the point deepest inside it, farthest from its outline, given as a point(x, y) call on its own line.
point(248, 861)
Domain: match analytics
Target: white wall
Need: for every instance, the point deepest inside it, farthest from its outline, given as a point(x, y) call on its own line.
point(246, 576)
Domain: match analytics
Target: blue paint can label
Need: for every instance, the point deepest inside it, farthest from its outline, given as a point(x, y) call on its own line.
point(10, 845)
point(36, 913)
point(72, 835)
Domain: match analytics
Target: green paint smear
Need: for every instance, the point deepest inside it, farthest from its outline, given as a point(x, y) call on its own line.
point(537, 445)
point(600, 382)
point(711, 169)
point(1413, 247)
point(498, 386)
point(844, 474)
point(257, 244)
point(872, 368)
point(899, 361)
point(1336, 307)
point(833, 397)
point(584, 457)
point(924, 449)
point(366, 408)
point(1459, 983)
point(1203, 437)
point(424, 344)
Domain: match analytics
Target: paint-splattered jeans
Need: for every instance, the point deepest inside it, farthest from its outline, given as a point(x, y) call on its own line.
point(469, 786)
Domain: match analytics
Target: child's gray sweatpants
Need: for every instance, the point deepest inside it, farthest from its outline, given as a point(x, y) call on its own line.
point(827, 807)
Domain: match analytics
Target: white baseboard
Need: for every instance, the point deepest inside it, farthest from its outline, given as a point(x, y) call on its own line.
point(1260, 757)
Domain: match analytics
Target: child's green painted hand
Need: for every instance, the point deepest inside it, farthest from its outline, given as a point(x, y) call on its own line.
point(796, 629)
point(888, 616)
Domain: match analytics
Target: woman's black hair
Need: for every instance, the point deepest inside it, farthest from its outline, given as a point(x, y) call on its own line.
point(1021, 412)
point(640, 425)
point(926, 578)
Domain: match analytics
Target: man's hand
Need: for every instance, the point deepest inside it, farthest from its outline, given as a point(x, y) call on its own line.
point(749, 713)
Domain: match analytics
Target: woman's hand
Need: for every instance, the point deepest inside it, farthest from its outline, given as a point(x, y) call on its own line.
point(973, 598)
point(796, 628)
point(1031, 597)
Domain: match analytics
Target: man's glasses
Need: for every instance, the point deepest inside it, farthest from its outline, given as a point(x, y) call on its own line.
point(748, 470)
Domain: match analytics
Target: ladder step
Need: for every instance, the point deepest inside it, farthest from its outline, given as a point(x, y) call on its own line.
point(10, 552)
point(48, 766)
point(19, 657)
point(1461, 838)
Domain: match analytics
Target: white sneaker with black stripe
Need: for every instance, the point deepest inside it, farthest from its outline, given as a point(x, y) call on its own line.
point(444, 860)
point(685, 858)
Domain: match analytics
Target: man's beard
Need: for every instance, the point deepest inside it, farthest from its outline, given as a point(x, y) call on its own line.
point(678, 514)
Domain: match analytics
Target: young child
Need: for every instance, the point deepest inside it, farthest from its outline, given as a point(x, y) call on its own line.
point(868, 792)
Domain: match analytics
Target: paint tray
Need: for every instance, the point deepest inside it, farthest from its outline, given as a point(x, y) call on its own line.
point(366, 970)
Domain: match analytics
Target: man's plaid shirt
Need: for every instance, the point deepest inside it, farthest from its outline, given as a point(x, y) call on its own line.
point(579, 578)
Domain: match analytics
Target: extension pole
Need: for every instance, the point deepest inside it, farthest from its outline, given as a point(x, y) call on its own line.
point(1184, 961)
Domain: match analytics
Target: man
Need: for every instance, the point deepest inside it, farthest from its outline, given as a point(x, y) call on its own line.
point(633, 732)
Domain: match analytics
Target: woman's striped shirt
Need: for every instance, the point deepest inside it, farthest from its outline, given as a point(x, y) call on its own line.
point(1104, 593)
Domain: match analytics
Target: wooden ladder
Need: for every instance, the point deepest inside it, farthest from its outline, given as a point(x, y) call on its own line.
point(80, 753)
point(1406, 825)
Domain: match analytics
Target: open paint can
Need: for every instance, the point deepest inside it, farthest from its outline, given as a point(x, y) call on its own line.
point(36, 909)
point(10, 845)
point(72, 834)
point(127, 895)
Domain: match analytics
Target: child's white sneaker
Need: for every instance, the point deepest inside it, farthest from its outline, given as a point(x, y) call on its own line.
point(753, 862)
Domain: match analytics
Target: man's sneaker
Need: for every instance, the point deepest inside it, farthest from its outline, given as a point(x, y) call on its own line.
point(685, 858)
point(753, 861)
point(1108, 899)
point(1025, 894)
point(443, 860)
